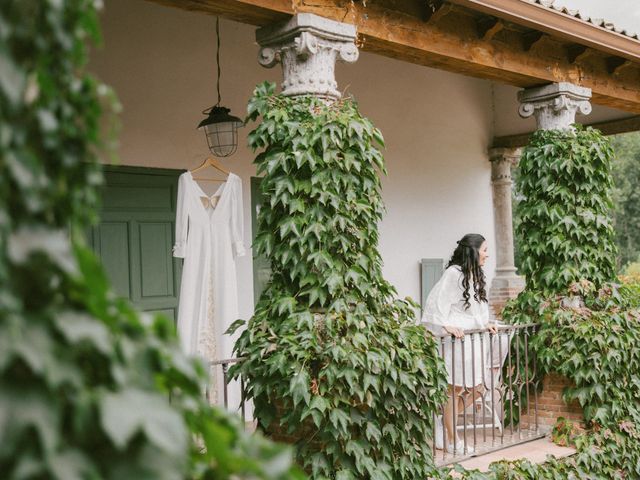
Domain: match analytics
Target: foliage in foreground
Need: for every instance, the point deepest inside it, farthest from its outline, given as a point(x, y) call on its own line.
point(332, 359)
point(88, 387)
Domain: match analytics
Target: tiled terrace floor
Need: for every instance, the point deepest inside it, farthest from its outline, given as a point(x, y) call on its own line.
point(535, 451)
point(491, 446)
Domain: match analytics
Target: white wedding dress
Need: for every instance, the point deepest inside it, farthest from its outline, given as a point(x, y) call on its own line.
point(209, 236)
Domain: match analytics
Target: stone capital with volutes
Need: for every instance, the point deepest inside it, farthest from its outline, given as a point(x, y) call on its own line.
point(308, 47)
point(555, 106)
point(502, 160)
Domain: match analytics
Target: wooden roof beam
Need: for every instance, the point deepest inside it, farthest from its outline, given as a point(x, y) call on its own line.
point(608, 127)
point(451, 44)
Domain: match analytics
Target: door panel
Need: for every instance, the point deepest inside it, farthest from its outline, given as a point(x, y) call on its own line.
point(136, 234)
point(156, 266)
point(113, 248)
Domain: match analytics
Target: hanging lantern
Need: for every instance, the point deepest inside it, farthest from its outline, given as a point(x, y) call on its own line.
point(220, 128)
point(221, 131)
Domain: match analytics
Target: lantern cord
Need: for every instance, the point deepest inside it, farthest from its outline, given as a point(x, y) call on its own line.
point(218, 57)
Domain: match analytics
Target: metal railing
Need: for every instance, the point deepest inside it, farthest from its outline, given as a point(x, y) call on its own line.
point(492, 396)
point(220, 380)
point(493, 406)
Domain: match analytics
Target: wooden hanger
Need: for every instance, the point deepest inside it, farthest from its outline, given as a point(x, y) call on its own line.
point(210, 162)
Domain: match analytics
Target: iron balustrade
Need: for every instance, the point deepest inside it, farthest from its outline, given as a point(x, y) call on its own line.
point(222, 366)
point(500, 413)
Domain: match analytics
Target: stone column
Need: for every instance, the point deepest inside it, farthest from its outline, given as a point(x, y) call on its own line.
point(307, 46)
point(506, 284)
point(555, 106)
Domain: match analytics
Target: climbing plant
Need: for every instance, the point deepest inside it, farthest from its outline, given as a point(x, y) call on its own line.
point(333, 360)
point(564, 224)
point(88, 387)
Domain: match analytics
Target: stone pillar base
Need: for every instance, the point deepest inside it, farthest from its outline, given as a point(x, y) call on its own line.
point(504, 288)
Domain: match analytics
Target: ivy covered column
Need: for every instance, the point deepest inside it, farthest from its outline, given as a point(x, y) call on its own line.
point(506, 283)
point(307, 47)
point(333, 361)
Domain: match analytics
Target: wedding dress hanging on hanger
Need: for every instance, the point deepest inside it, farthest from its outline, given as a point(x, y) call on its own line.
point(209, 236)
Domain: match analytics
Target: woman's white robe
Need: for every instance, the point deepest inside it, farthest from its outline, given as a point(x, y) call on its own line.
point(445, 306)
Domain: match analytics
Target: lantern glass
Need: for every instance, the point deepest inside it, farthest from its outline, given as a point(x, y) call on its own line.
point(222, 138)
point(221, 131)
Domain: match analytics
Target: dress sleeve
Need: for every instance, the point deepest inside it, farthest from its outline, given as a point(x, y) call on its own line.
point(237, 220)
point(484, 314)
point(182, 220)
point(442, 297)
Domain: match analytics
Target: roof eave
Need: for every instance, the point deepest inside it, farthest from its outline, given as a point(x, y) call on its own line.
point(558, 24)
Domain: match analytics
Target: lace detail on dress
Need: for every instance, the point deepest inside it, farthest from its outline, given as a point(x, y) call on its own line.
point(208, 346)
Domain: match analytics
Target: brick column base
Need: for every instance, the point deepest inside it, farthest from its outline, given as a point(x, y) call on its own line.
point(499, 296)
point(551, 405)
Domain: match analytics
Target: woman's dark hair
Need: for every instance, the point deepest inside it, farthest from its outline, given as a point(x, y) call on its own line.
point(467, 257)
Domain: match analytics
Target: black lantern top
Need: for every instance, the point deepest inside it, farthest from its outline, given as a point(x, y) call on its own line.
point(218, 114)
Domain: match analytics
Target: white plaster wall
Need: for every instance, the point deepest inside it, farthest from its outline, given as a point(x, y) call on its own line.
point(508, 122)
point(437, 126)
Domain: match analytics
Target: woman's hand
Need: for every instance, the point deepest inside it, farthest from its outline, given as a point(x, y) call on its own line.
point(492, 327)
point(455, 331)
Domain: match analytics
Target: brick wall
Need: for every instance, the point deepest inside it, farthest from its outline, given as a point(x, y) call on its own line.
point(498, 297)
point(551, 405)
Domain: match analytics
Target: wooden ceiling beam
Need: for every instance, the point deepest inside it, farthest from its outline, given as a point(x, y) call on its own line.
point(609, 127)
point(449, 41)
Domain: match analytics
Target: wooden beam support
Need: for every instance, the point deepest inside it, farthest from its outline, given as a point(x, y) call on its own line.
point(609, 127)
point(489, 27)
point(575, 52)
point(437, 10)
point(448, 42)
point(617, 66)
point(531, 39)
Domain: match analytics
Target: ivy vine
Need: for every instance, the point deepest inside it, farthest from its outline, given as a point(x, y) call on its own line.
point(565, 223)
point(333, 360)
point(88, 387)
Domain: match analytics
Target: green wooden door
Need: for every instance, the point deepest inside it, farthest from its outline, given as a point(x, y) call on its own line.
point(135, 236)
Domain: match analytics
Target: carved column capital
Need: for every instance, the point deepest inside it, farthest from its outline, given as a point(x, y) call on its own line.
point(554, 106)
point(308, 47)
point(502, 159)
